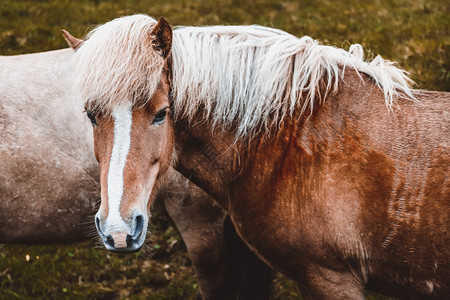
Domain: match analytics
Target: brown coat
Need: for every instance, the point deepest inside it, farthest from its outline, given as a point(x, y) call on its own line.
point(352, 196)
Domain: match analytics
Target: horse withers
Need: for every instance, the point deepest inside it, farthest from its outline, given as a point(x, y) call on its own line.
point(331, 168)
point(50, 184)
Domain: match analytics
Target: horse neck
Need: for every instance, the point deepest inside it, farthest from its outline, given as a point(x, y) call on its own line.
point(210, 158)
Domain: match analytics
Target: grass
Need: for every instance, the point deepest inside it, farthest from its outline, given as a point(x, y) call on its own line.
point(81, 271)
point(415, 33)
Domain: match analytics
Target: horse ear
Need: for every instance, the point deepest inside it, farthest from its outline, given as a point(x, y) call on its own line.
point(162, 37)
point(73, 42)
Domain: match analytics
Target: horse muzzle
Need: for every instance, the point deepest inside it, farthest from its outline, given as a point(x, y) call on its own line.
point(118, 236)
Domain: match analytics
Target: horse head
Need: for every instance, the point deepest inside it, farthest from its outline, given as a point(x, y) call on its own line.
point(120, 71)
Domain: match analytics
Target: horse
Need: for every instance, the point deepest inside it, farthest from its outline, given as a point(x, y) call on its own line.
point(50, 184)
point(333, 170)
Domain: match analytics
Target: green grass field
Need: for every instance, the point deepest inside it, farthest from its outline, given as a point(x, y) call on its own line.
point(414, 33)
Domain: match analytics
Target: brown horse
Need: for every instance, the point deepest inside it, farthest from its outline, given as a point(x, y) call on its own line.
point(49, 181)
point(331, 168)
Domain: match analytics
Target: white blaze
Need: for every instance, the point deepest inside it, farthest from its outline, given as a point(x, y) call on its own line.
point(122, 116)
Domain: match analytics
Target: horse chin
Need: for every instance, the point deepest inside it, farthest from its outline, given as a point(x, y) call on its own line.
point(125, 250)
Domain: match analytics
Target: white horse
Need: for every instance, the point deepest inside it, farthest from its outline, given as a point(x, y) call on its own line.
point(49, 180)
point(48, 176)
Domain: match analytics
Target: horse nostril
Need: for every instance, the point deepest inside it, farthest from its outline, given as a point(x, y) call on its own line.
point(97, 224)
point(129, 241)
point(109, 241)
point(139, 227)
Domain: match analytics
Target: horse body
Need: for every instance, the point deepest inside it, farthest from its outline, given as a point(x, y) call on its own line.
point(49, 178)
point(353, 196)
point(339, 199)
point(50, 187)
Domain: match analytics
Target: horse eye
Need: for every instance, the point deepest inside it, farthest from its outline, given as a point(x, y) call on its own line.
point(92, 118)
point(160, 117)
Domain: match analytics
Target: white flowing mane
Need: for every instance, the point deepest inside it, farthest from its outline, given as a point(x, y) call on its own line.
point(256, 75)
point(251, 76)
